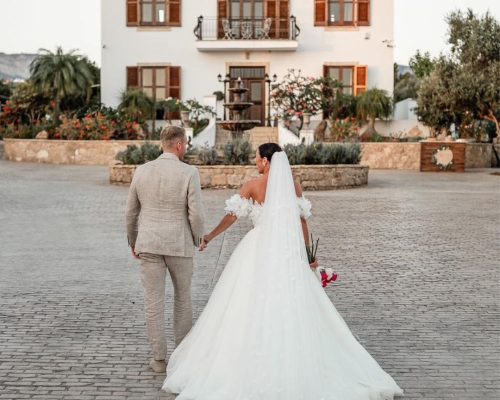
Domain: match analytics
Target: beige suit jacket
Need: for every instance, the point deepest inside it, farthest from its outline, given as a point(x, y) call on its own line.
point(164, 208)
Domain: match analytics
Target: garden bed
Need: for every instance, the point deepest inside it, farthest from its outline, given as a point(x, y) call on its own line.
point(311, 177)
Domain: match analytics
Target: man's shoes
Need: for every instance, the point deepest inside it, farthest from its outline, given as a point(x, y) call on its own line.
point(158, 365)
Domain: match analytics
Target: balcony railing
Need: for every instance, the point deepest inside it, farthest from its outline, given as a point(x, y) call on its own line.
point(212, 28)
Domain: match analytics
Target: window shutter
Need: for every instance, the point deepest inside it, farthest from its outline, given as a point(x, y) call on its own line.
point(360, 79)
point(283, 19)
point(221, 14)
point(271, 13)
point(174, 88)
point(174, 8)
point(320, 12)
point(132, 12)
point(363, 12)
point(132, 77)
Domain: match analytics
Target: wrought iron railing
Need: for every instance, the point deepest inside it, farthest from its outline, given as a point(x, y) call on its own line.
point(212, 28)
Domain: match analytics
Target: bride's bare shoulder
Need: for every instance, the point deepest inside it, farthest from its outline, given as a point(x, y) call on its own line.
point(251, 189)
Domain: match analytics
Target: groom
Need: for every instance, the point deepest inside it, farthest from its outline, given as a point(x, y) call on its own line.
point(164, 223)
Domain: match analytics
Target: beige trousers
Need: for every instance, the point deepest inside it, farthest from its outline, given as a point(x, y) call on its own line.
point(153, 273)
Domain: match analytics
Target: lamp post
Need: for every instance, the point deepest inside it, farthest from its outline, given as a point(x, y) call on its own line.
point(268, 80)
point(226, 80)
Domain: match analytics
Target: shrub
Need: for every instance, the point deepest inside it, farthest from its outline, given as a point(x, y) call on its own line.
point(295, 153)
point(134, 155)
point(208, 156)
point(319, 153)
point(237, 152)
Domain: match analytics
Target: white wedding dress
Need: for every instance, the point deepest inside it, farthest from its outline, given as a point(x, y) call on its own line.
point(269, 331)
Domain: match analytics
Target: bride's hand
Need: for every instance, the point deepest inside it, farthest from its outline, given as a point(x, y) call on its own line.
point(204, 243)
point(314, 264)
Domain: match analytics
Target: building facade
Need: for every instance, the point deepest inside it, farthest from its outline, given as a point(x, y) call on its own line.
point(185, 48)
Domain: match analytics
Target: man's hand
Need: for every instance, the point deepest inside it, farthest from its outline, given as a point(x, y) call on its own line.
point(204, 243)
point(135, 255)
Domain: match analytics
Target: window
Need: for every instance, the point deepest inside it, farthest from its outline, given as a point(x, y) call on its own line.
point(154, 82)
point(345, 76)
point(153, 12)
point(354, 79)
point(341, 12)
point(158, 82)
point(247, 9)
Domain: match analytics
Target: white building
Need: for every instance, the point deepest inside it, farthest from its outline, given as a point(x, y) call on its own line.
point(178, 48)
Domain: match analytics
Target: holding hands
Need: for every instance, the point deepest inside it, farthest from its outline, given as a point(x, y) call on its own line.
point(204, 243)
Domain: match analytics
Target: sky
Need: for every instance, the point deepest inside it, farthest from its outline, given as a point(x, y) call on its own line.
point(28, 25)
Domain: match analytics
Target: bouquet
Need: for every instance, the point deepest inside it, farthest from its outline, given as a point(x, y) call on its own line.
point(325, 275)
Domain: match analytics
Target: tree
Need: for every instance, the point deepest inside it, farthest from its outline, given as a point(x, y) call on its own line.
point(5, 92)
point(406, 87)
point(60, 75)
point(464, 85)
point(372, 104)
point(422, 64)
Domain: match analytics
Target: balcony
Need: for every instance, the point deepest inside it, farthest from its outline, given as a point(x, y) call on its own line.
point(243, 34)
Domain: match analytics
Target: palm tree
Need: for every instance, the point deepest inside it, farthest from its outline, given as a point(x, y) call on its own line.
point(372, 104)
point(60, 75)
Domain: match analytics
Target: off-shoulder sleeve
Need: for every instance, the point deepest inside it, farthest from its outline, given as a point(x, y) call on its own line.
point(304, 207)
point(238, 206)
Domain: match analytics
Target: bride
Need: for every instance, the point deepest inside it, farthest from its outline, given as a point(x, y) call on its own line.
point(269, 331)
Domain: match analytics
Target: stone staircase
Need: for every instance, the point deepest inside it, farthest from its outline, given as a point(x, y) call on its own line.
point(256, 136)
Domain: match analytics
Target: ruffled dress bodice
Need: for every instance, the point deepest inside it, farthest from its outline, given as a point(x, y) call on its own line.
point(243, 207)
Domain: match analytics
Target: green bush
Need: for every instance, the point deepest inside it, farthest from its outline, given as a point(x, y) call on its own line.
point(237, 152)
point(295, 153)
point(319, 153)
point(139, 155)
point(198, 125)
point(208, 156)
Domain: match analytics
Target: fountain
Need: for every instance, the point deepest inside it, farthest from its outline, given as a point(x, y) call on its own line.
point(235, 124)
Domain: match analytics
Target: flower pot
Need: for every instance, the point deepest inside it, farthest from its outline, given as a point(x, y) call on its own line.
point(185, 119)
point(307, 120)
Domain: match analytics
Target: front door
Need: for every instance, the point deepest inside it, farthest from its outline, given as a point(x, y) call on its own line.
point(253, 78)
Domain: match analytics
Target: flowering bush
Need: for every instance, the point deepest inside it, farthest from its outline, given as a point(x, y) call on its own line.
point(92, 127)
point(296, 95)
point(342, 129)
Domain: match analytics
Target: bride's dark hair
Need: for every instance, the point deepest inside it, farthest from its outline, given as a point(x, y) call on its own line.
point(268, 149)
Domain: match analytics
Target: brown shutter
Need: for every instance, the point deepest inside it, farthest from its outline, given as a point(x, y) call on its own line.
point(174, 12)
point(283, 19)
point(271, 12)
point(132, 77)
point(360, 79)
point(132, 12)
point(221, 14)
point(174, 88)
point(363, 12)
point(320, 12)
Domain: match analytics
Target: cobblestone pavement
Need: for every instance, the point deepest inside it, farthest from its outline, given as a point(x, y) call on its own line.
point(417, 254)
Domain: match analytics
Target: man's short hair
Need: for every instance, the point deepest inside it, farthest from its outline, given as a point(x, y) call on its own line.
point(170, 135)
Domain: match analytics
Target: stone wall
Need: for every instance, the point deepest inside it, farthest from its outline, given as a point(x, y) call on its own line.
point(95, 152)
point(478, 155)
point(311, 177)
point(391, 155)
point(84, 152)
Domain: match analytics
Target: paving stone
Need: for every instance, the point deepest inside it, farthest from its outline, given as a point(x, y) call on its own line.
point(417, 257)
